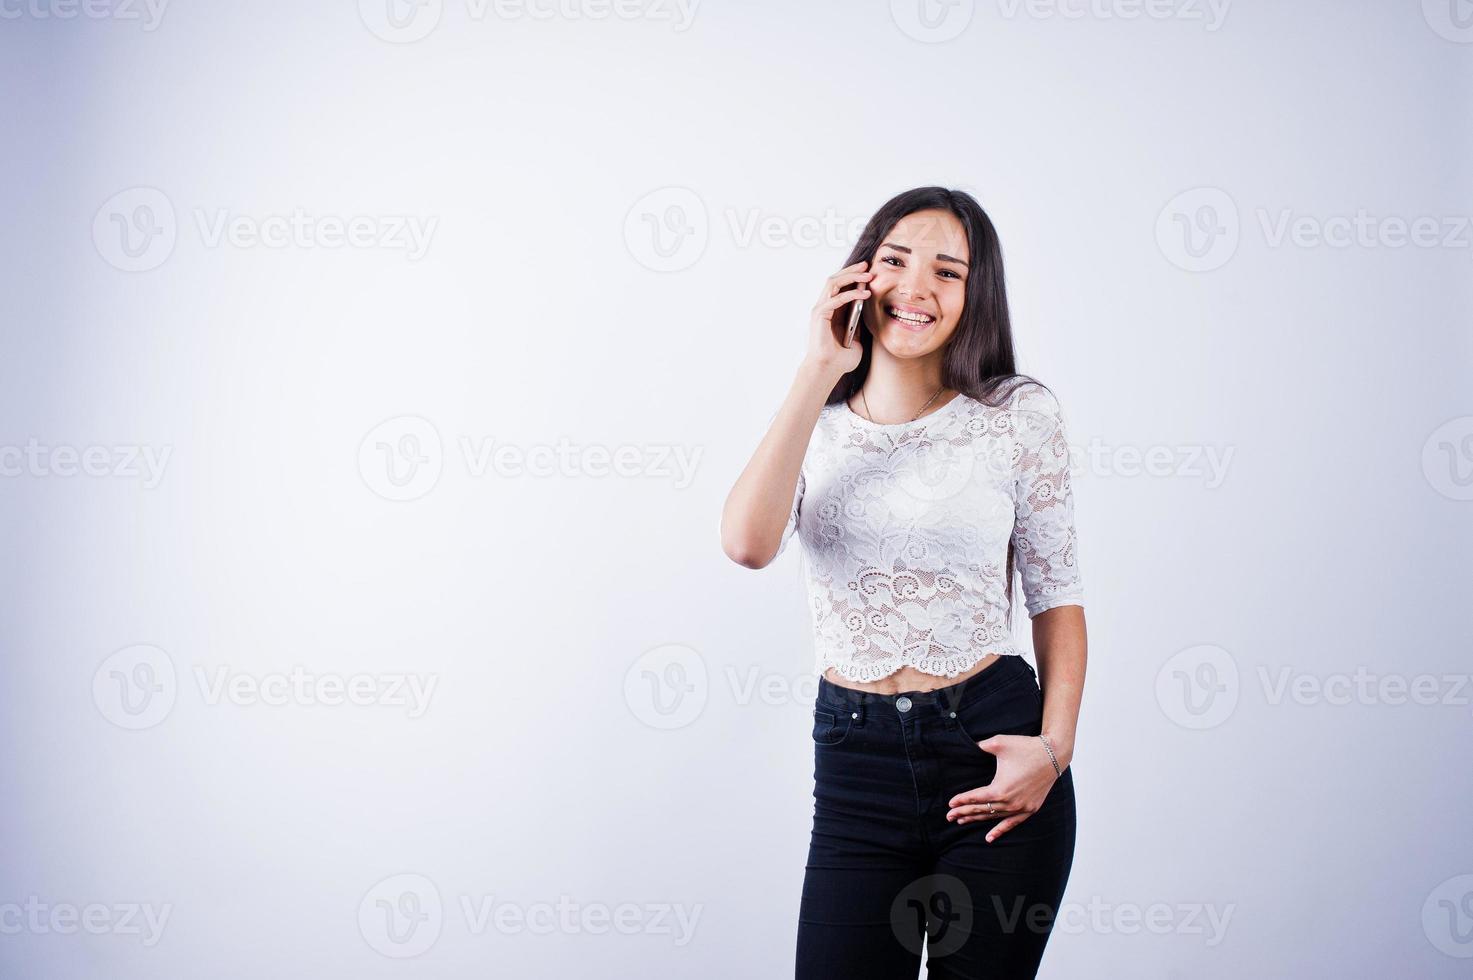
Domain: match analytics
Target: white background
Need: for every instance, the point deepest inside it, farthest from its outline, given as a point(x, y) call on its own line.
point(1332, 379)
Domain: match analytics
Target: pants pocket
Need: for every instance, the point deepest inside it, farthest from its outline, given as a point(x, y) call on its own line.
point(830, 727)
point(1015, 708)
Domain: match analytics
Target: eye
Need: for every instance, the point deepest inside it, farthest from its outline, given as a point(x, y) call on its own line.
point(899, 264)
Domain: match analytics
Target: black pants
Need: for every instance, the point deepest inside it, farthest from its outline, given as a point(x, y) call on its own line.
point(886, 870)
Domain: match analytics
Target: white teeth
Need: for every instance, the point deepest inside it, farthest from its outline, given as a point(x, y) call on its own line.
point(911, 317)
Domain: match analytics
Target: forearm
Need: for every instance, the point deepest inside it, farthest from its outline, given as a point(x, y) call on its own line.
point(756, 509)
point(1059, 643)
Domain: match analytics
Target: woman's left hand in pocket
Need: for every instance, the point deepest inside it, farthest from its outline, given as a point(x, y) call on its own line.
point(1024, 777)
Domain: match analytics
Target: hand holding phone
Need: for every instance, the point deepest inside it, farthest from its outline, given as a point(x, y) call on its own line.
point(854, 311)
point(831, 341)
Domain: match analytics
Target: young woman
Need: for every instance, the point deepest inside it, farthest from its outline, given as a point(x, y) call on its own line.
point(918, 470)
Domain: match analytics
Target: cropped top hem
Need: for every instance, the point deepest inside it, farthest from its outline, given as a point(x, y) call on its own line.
point(936, 666)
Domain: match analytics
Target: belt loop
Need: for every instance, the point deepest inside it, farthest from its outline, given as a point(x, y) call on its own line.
point(949, 706)
point(949, 699)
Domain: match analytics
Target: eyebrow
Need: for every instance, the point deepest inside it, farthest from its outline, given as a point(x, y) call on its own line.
point(940, 256)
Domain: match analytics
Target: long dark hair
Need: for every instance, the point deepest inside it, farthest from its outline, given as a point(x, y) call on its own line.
point(978, 359)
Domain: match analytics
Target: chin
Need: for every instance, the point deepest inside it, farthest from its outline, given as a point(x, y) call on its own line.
point(907, 344)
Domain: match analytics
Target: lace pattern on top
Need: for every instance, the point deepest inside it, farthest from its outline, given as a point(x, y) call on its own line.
point(905, 530)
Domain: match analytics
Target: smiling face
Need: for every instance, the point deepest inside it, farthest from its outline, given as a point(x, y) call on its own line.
point(920, 284)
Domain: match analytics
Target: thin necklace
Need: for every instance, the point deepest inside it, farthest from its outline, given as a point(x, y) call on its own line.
point(917, 415)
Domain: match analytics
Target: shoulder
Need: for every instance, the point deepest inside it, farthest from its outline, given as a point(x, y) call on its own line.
point(1034, 413)
point(831, 425)
point(1027, 394)
point(830, 414)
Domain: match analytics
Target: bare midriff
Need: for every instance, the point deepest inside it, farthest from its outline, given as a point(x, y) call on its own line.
point(908, 679)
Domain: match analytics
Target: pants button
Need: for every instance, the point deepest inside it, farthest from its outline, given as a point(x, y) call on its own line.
point(903, 703)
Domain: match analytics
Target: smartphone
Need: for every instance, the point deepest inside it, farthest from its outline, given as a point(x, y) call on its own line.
point(854, 312)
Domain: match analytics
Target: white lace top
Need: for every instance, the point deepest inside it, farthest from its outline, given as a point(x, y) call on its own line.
point(905, 531)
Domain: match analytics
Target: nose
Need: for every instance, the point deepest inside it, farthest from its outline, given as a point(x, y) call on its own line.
point(911, 287)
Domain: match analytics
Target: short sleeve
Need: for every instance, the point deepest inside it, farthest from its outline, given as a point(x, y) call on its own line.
point(1044, 538)
point(793, 513)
